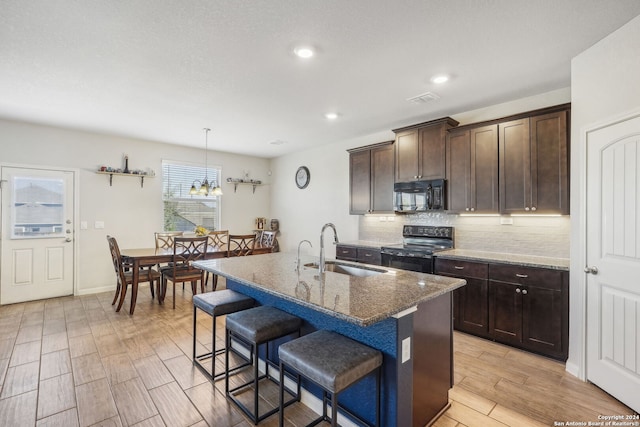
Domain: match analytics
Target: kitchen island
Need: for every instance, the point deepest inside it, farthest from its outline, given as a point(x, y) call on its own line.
point(405, 315)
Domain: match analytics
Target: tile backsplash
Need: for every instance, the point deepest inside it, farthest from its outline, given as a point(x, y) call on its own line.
point(527, 235)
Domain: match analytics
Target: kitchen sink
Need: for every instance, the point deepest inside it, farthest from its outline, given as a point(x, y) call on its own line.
point(349, 269)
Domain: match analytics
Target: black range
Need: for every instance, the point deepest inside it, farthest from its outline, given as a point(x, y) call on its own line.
point(420, 242)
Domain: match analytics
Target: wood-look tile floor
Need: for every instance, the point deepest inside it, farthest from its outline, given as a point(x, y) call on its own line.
point(74, 361)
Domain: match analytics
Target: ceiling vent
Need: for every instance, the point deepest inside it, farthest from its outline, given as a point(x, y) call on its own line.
point(424, 98)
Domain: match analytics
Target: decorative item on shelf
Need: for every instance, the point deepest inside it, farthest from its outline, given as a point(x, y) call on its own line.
point(201, 231)
point(108, 170)
point(275, 224)
point(260, 223)
point(205, 188)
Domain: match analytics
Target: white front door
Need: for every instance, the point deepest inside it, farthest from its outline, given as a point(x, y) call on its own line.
point(613, 259)
point(37, 231)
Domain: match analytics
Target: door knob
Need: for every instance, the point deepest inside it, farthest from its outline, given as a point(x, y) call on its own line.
point(591, 270)
point(68, 239)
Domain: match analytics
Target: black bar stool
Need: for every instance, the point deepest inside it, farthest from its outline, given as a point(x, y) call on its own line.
point(334, 362)
point(218, 303)
point(258, 326)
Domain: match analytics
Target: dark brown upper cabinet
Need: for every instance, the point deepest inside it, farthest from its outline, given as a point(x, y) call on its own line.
point(534, 164)
point(371, 171)
point(420, 150)
point(472, 170)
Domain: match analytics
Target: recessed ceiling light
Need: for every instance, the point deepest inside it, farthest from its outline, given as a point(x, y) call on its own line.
point(331, 116)
point(440, 78)
point(303, 52)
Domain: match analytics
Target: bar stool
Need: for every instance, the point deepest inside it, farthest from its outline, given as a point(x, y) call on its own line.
point(257, 326)
point(333, 362)
point(218, 303)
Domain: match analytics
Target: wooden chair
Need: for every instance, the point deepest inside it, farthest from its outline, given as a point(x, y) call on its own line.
point(164, 240)
point(217, 239)
point(125, 278)
point(186, 250)
point(241, 244)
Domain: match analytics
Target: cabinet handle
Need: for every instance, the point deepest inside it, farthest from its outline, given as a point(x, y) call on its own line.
point(345, 252)
point(518, 290)
point(522, 276)
point(368, 255)
point(524, 292)
point(526, 208)
point(415, 176)
point(466, 209)
point(533, 208)
point(473, 209)
point(457, 267)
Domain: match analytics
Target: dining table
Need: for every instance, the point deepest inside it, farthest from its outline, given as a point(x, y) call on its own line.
point(142, 257)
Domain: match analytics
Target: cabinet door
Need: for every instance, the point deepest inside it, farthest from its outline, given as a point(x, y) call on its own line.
point(515, 166)
point(382, 170)
point(473, 310)
point(458, 171)
point(484, 169)
point(549, 163)
point(432, 152)
point(360, 182)
point(542, 322)
point(505, 312)
point(407, 153)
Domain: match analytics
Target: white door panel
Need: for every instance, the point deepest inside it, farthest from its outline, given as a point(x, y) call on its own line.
point(613, 248)
point(37, 220)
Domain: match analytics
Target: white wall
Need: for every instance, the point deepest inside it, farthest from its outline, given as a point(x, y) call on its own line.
point(604, 85)
point(303, 212)
point(130, 213)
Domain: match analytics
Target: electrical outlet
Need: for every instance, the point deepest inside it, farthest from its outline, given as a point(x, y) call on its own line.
point(406, 349)
point(98, 224)
point(84, 225)
point(506, 220)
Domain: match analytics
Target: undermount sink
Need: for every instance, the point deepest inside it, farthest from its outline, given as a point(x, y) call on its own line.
point(349, 269)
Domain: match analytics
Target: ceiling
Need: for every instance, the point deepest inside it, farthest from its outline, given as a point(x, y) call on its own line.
point(162, 71)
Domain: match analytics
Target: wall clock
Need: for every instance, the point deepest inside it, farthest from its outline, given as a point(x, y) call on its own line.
point(303, 177)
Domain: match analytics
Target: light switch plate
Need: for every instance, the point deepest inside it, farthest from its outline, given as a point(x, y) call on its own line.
point(84, 225)
point(98, 224)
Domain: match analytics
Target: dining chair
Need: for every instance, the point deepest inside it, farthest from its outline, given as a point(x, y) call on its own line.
point(125, 278)
point(241, 244)
point(218, 240)
point(164, 240)
point(186, 250)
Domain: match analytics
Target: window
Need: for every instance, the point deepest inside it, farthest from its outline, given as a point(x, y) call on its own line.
point(182, 211)
point(37, 208)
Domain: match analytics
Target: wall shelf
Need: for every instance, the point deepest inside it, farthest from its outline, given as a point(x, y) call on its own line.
point(136, 175)
point(236, 183)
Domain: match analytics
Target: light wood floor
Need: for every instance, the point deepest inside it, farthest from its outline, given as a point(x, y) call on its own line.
point(74, 361)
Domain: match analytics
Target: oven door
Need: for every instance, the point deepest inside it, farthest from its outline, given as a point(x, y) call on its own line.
point(419, 264)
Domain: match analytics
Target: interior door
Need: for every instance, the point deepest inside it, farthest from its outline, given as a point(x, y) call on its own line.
point(36, 245)
point(613, 259)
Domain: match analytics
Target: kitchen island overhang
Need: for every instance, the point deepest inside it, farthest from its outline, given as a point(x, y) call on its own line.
point(404, 314)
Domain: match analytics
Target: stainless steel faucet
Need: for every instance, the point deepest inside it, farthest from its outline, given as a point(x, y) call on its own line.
point(298, 259)
point(321, 266)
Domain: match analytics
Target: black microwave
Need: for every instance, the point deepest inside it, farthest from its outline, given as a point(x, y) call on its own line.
point(420, 196)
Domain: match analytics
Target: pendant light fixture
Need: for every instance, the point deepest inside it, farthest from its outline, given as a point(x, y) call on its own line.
point(206, 189)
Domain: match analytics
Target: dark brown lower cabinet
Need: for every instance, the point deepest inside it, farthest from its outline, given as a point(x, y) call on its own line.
point(529, 307)
point(470, 302)
point(367, 255)
point(526, 307)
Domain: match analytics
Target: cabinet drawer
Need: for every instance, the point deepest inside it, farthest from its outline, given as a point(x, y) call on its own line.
point(463, 269)
point(349, 253)
point(369, 256)
point(540, 277)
